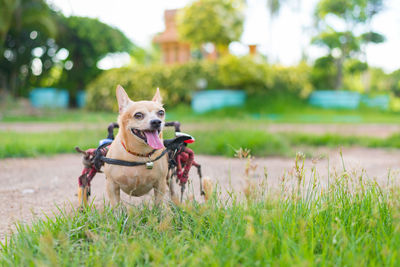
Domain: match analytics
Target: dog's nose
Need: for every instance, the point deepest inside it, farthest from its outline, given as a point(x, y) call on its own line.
point(155, 124)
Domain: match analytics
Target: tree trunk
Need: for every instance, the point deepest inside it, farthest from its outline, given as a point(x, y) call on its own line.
point(3, 82)
point(339, 74)
point(12, 83)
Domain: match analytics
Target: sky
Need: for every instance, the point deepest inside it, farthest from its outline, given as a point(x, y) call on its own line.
point(284, 39)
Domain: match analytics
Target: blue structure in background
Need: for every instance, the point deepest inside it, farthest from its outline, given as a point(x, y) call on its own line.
point(380, 101)
point(335, 99)
point(347, 100)
point(49, 98)
point(216, 99)
point(81, 99)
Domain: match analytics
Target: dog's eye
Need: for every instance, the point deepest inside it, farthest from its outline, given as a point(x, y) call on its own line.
point(139, 115)
point(161, 113)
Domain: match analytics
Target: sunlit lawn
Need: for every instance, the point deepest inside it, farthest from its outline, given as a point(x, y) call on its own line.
point(264, 110)
point(217, 132)
point(352, 222)
point(208, 142)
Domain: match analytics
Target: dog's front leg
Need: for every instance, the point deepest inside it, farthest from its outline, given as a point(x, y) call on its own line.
point(113, 192)
point(170, 183)
point(159, 191)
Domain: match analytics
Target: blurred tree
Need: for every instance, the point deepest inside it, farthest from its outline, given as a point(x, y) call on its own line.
point(87, 40)
point(146, 56)
point(39, 46)
point(274, 6)
point(7, 9)
point(395, 82)
point(323, 73)
point(356, 33)
point(26, 29)
point(212, 21)
point(379, 81)
point(355, 66)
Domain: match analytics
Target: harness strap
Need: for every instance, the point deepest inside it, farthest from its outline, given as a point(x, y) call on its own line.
point(129, 163)
point(99, 155)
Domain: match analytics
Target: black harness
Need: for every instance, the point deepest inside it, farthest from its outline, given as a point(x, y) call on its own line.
point(171, 146)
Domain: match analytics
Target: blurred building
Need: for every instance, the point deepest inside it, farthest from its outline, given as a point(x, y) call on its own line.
point(252, 49)
point(173, 50)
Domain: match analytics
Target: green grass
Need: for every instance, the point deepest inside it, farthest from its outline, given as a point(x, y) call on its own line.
point(212, 142)
point(60, 116)
point(350, 223)
point(277, 108)
point(18, 144)
point(225, 142)
point(262, 143)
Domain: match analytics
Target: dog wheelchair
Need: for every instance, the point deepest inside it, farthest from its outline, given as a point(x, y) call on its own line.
point(180, 161)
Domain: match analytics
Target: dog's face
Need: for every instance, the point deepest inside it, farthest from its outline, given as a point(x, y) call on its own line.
point(141, 122)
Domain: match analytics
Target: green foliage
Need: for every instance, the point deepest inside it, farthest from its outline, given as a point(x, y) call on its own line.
point(274, 6)
point(259, 78)
point(31, 35)
point(357, 76)
point(372, 37)
point(349, 222)
point(323, 73)
point(212, 21)
point(242, 73)
point(92, 38)
point(88, 40)
point(378, 81)
point(6, 12)
point(17, 15)
point(332, 39)
point(395, 82)
point(356, 15)
point(24, 26)
point(338, 7)
point(178, 82)
point(148, 56)
point(294, 80)
point(355, 11)
point(354, 66)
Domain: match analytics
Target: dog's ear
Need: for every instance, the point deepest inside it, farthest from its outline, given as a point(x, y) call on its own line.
point(157, 97)
point(122, 98)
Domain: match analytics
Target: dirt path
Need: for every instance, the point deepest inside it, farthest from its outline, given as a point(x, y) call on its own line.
point(373, 130)
point(32, 187)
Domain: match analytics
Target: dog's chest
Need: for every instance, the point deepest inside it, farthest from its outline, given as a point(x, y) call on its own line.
point(138, 180)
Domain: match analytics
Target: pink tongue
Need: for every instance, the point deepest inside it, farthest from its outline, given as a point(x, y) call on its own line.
point(153, 140)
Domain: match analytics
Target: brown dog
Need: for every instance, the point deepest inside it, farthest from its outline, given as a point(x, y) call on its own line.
point(139, 139)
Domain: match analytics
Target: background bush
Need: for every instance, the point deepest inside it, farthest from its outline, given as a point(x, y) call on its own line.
point(178, 82)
